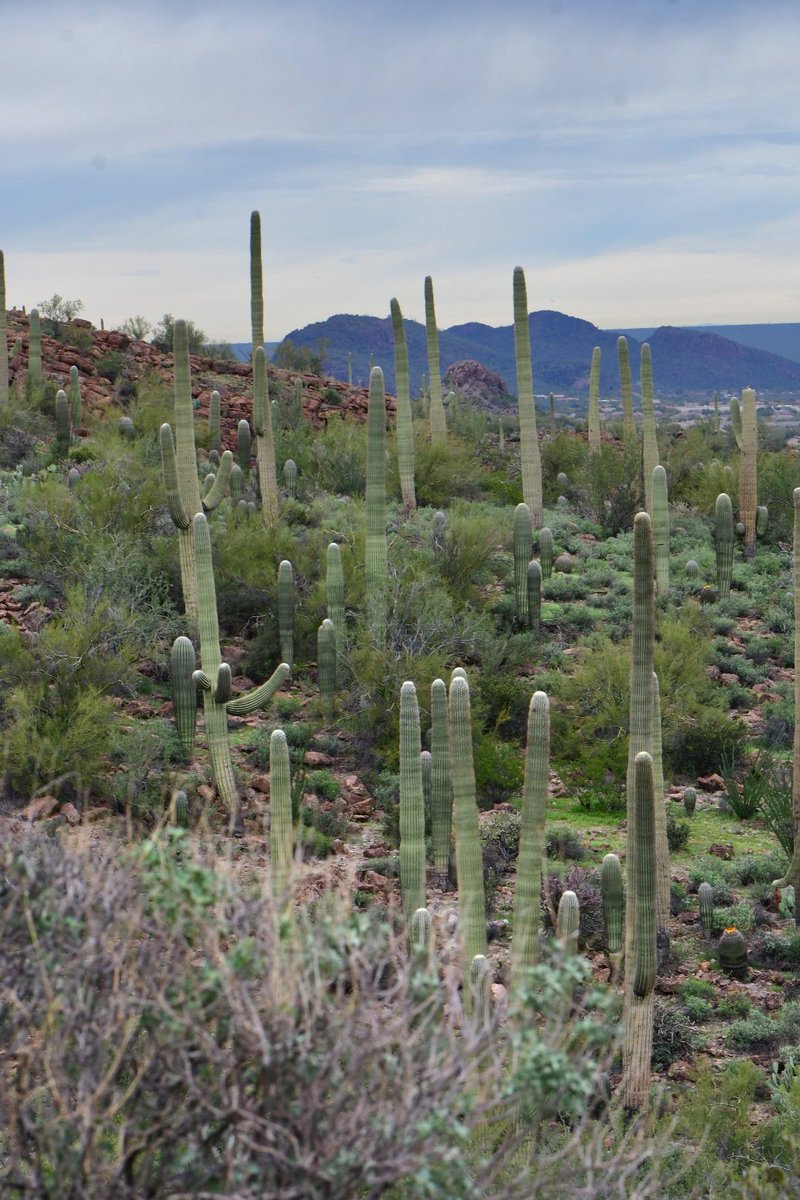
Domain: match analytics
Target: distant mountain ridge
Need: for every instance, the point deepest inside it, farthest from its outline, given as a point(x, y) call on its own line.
point(777, 337)
point(684, 360)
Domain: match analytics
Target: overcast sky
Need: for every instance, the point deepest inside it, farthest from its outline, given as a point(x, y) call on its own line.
point(639, 158)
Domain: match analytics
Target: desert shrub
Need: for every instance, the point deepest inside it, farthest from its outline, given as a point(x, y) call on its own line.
point(708, 869)
point(776, 806)
point(673, 1039)
point(700, 989)
point(715, 1114)
point(147, 750)
point(500, 833)
point(698, 744)
point(324, 784)
point(338, 457)
point(697, 1010)
point(678, 833)
point(783, 949)
point(734, 1007)
point(444, 473)
point(499, 770)
point(560, 841)
point(739, 916)
point(747, 869)
point(585, 883)
point(502, 701)
point(754, 1032)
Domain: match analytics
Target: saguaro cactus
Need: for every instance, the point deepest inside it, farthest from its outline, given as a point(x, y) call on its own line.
point(660, 518)
point(792, 876)
point(281, 848)
point(534, 590)
point(736, 421)
point(530, 454)
point(214, 678)
point(649, 440)
point(613, 909)
point(334, 594)
point(3, 334)
point(437, 414)
point(421, 935)
point(256, 282)
point(326, 665)
point(568, 919)
point(412, 807)
point(375, 552)
point(480, 989)
point(290, 477)
point(641, 963)
point(34, 349)
point(74, 397)
point(403, 420)
point(179, 467)
point(265, 439)
point(748, 474)
point(594, 402)
point(689, 801)
point(182, 665)
point(213, 421)
point(469, 864)
point(286, 606)
point(663, 874)
point(626, 390)
point(441, 794)
point(724, 541)
point(528, 888)
point(62, 423)
point(546, 551)
point(705, 903)
point(244, 445)
point(522, 544)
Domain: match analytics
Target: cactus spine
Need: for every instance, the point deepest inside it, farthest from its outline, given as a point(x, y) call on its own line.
point(723, 537)
point(182, 665)
point(748, 475)
point(375, 552)
point(522, 540)
point(626, 390)
point(438, 419)
point(594, 402)
point(265, 439)
point(546, 551)
point(660, 519)
point(214, 678)
point(762, 519)
point(326, 665)
point(281, 850)
point(412, 807)
point(3, 334)
point(528, 888)
point(404, 422)
point(286, 610)
point(179, 468)
point(705, 903)
point(441, 794)
point(256, 283)
point(613, 910)
point(530, 455)
point(638, 1017)
point(792, 876)
point(568, 920)
point(649, 440)
point(469, 864)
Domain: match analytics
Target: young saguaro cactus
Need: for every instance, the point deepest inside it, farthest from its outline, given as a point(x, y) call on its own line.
point(568, 919)
point(179, 468)
point(376, 565)
point(290, 477)
point(214, 678)
point(546, 551)
point(649, 439)
point(705, 903)
point(663, 873)
point(736, 421)
point(613, 909)
point(412, 806)
point(748, 474)
point(534, 590)
point(334, 594)
point(441, 794)
point(469, 863)
point(594, 402)
point(34, 349)
point(62, 424)
point(530, 454)
point(724, 542)
point(403, 420)
point(528, 887)
point(641, 963)
point(3, 334)
point(74, 397)
point(326, 666)
point(626, 390)
point(438, 419)
point(522, 543)
point(213, 421)
point(182, 666)
point(281, 847)
point(660, 517)
point(286, 606)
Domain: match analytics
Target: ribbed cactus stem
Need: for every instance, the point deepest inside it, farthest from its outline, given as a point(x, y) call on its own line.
point(62, 423)
point(594, 402)
point(127, 430)
point(692, 569)
point(256, 282)
point(469, 864)
point(501, 435)
point(660, 518)
point(420, 937)
point(534, 590)
point(689, 801)
point(182, 665)
point(426, 766)
point(568, 921)
point(213, 421)
point(546, 551)
point(265, 440)
point(724, 542)
point(649, 441)
point(736, 421)
point(641, 960)
point(438, 419)
point(281, 833)
point(286, 607)
point(748, 474)
point(326, 666)
point(412, 806)
point(179, 810)
point(375, 552)
point(403, 420)
point(74, 396)
point(290, 477)
point(626, 391)
point(480, 990)
point(441, 794)
point(732, 953)
point(34, 349)
point(762, 519)
point(528, 887)
point(562, 481)
point(792, 876)
point(438, 531)
point(3, 334)
point(705, 903)
point(73, 478)
point(613, 910)
point(244, 444)
point(237, 483)
point(334, 595)
point(530, 454)
point(298, 400)
point(663, 874)
point(522, 543)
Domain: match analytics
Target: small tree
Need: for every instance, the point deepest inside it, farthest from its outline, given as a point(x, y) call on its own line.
point(162, 335)
point(136, 327)
point(306, 359)
point(57, 311)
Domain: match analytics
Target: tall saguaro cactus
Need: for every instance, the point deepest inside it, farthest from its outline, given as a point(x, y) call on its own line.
point(660, 519)
point(179, 467)
point(35, 349)
point(637, 1044)
point(522, 544)
point(469, 864)
point(403, 418)
point(594, 401)
point(663, 874)
point(793, 874)
point(265, 439)
point(286, 606)
point(256, 282)
point(412, 807)
point(214, 678)
point(3, 334)
point(649, 440)
point(748, 474)
point(530, 454)
point(527, 892)
point(626, 390)
point(375, 553)
point(437, 414)
point(441, 794)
